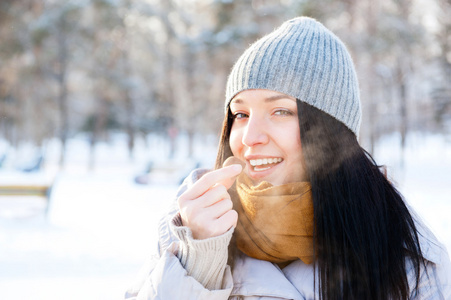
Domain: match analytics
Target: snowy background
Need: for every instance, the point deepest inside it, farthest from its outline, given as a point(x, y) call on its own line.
point(100, 226)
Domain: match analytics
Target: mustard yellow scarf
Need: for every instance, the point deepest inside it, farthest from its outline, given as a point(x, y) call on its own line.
point(275, 223)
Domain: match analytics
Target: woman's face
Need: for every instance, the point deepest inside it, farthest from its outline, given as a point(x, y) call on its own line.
point(265, 134)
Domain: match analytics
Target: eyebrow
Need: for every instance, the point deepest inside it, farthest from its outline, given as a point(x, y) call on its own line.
point(268, 99)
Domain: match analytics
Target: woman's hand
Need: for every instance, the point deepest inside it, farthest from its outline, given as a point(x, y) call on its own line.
point(206, 207)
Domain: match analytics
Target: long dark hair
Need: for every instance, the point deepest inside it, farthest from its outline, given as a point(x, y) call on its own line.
point(363, 229)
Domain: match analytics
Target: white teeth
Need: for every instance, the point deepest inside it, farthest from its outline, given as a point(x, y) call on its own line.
point(264, 161)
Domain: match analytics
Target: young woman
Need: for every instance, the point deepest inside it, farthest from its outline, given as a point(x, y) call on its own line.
point(310, 215)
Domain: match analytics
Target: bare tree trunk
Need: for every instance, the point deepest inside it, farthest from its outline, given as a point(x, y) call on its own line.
point(401, 74)
point(129, 123)
point(62, 90)
point(99, 125)
point(168, 58)
point(129, 105)
point(173, 135)
point(189, 111)
point(402, 105)
point(372, 124)
point(190, 143)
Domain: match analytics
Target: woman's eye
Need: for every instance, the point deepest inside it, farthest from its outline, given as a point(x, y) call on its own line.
point(283, 112)
point(240, 115)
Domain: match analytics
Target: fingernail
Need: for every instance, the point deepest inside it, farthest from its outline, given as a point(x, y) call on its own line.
point(233, 160)
point(237, 168)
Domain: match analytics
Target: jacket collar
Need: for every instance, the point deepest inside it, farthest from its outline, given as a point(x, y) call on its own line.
point(253, 277)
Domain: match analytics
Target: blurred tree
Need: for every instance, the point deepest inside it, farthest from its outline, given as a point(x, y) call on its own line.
point(26, 88)
point(161, 65)
point(108, 70)
point(12, 49)
point(441, 94)
point(384, 40)
point(52, 29)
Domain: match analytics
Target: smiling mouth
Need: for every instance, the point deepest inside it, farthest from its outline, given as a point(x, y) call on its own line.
point(264, 164)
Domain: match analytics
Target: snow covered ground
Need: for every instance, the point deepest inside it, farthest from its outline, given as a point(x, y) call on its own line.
point(423, 177)
point(101, 225)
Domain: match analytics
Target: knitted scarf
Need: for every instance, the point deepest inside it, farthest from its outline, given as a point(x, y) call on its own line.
point(275, 223)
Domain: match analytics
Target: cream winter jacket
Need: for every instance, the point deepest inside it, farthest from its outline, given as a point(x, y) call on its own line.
point(164, 276)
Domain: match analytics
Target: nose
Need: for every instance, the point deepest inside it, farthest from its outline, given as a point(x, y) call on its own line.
point(255, 132)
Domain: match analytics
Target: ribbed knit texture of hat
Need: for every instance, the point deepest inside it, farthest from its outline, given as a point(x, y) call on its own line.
point(305, 60)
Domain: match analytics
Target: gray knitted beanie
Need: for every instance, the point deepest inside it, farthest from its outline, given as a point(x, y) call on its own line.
point(305, 60)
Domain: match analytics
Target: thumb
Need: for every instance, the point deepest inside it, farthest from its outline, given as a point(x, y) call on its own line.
point(232, 160)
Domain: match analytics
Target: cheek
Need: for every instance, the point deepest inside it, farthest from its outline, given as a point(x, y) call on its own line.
point(235, 141)
point(289, 140)
point(299, 171)
point(297, 148)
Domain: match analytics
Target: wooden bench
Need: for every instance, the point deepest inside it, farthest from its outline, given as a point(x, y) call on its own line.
point(15, 195)
point(42, 190)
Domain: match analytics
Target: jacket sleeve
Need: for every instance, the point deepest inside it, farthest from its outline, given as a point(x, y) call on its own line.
point(435, 280)
point(435, 274)
point(205, 260)
point(165, 277)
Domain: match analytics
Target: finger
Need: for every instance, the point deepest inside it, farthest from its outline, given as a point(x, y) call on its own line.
point(232, 160)
point(191, 209)
point(213, 195)
point(220, 225)
point(210, 179)
point(218, 209)
point(227, 221)
point(228, 182)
